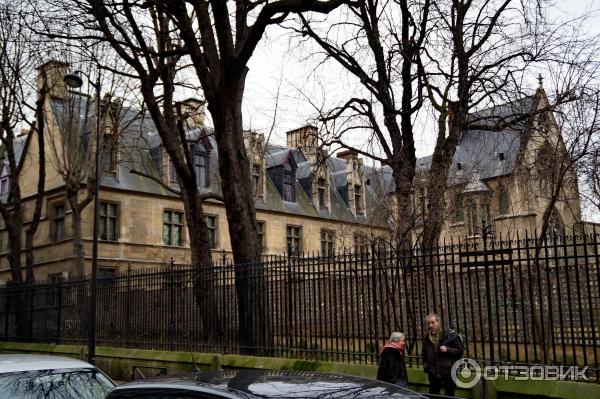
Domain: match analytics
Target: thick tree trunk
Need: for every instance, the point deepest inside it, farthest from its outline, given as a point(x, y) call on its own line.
point(436, 188)
point(254, 333)
point(77, 270)
point(39, 200)
point(173, 137)
point(204, 278)
point(443, 153)
point(19, 288)
point(404, 209)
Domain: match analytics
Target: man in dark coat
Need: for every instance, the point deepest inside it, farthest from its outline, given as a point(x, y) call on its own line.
point(441, 348)
point(391, 361)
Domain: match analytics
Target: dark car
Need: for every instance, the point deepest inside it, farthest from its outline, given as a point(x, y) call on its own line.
point(260, 384)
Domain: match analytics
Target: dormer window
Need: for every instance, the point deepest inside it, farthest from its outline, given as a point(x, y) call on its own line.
point(288, 179)
point(358, 200)
point(109, 153)
point(459, 166)
point(201, 168)
point(501, 156)
point(322, 193)
point(4, 185)
point(200, 152)
point(172, 173)
point(4, 179)
point(255, 179)
point(289, 192)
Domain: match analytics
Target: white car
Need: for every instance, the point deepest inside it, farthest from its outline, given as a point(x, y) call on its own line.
point(50, 377)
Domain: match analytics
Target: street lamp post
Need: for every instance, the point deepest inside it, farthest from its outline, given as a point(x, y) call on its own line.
point(74, 80)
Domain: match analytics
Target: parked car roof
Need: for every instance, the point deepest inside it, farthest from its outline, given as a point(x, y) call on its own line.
point(27, 362)
point(267, 384)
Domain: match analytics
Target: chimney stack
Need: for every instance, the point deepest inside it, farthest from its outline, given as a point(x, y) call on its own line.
point(347, 155)
point(50, 76)
point(304, 138)
point(192, 111)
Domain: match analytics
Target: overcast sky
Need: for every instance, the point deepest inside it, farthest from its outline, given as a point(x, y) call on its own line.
point(277, 64)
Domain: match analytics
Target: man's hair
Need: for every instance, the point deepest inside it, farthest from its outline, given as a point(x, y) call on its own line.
point(434, 315)
point(396, 336)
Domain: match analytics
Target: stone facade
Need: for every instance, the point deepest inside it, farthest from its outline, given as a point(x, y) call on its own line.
point(306, 199)
point(503, 179)
point(135, 206)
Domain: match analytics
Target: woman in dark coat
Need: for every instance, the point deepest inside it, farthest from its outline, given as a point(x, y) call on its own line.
point(391, 361)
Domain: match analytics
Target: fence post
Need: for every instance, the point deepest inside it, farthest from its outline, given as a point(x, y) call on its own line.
point(486, 265)
point(374, 259)
point(171, 305)
point(128, 305)
point(290, 309)
point(7, 315)
point(31, 311)
point(59, 305)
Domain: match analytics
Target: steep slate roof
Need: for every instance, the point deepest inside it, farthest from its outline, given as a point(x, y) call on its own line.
point(138, 135)
point(19, 148)
point(478, 151)
point(139, 138)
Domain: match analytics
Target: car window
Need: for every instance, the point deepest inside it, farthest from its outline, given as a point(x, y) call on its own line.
point(71, 384)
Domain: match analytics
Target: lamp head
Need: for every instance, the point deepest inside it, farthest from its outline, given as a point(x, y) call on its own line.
point(73, 80)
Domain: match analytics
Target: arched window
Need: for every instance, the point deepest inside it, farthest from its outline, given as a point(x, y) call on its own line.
point(555, 224)
point(459, 212)
point(484, 213)
point(472, 217)
point(503, 201)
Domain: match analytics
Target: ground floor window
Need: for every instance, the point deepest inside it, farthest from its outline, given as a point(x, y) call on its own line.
point(211, 225)
point(260, 226)
point(478, 216)
point(361, 244)
point(109, 218)
point(173, 228)
point(327, 242)
point(294, 240)
point(58, 222)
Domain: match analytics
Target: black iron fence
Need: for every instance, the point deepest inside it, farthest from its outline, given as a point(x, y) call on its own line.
point(522, 301)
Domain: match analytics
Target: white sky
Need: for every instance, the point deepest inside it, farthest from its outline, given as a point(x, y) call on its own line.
point(275, 64)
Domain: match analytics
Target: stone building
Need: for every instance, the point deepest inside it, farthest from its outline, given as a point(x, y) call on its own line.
point(306, 200)
point(504, 173)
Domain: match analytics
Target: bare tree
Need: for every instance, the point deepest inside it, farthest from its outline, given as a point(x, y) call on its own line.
point(221, 37)
point(591, 175)
point(219, 42)
point(143, 37)
point(381, 52)
point(17, 61)
point(72, 151)
point(482, 52)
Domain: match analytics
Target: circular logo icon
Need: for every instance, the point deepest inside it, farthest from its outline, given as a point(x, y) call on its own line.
point(466, 373)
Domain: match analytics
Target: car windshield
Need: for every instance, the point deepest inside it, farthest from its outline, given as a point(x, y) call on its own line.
point(55, 384)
